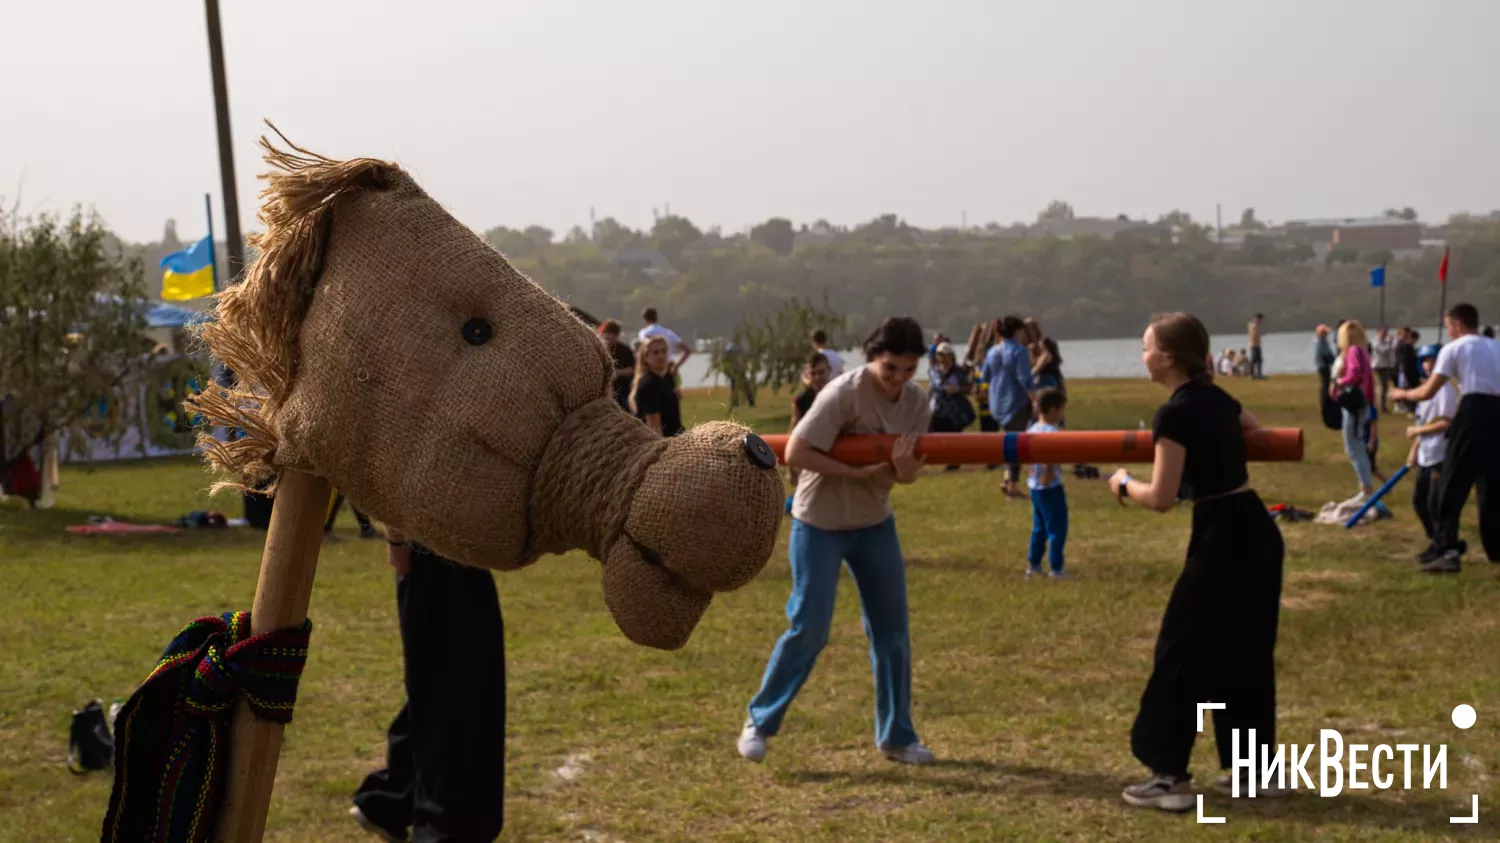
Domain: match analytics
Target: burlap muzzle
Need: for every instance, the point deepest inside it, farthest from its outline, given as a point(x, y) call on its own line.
point(379, 343)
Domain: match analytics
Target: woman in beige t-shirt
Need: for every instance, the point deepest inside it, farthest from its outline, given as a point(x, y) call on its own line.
point(842, 514)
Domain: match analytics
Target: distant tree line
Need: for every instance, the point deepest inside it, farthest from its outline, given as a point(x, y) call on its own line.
point(705, 282)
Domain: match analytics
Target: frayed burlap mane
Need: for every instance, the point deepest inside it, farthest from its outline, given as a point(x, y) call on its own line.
point(258, 321)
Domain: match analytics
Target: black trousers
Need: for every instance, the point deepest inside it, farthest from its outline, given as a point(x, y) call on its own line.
point(987, 423)
point(1257, 363)
point(1471, 459)
point(445, 756)
point(1218, 639)
point(1424, 496)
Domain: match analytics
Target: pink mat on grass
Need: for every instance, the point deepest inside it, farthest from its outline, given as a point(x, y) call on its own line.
point(120, 527)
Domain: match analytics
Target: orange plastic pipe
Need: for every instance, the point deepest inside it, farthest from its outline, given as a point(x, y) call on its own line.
point(1282, 444)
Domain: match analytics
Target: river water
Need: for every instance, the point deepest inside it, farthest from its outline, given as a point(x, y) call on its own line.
point(1286, 353)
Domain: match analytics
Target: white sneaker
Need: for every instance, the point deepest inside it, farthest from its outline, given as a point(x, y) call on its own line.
point(1167, 793)
point(910, 754)
point(752, 743)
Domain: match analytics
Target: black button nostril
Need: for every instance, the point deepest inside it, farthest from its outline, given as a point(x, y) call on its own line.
point(759, 452)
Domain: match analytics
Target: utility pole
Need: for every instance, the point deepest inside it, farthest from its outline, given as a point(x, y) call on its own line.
point(235, 244)
point(1219, 224)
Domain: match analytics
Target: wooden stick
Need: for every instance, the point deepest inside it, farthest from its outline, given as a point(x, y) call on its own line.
point(281, 597)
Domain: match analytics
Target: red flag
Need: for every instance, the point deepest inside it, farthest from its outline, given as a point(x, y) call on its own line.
point(1443, 269)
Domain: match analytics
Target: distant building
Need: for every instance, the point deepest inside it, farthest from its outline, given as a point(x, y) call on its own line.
point(1083, 227)
point(1388, 233)
point(814, 237)
point(1362, 234)
point(642, 259)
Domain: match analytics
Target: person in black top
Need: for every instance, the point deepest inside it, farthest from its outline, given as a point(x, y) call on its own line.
point(1219, 633)
point(624, 359)
point(1408, 367)
point(654, 397)
point(817, 378)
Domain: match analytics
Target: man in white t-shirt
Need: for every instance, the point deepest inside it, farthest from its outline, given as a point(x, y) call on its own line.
point(655, 329)
point(820, 345)
point(1472, 454)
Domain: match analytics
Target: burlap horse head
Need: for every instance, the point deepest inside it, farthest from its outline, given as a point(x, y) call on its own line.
point(379, 343)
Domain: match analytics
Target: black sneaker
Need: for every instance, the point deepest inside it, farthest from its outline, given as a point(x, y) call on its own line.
point(384, 833)
point(1449, 563)
point(1166, 793)
point(1428, 555)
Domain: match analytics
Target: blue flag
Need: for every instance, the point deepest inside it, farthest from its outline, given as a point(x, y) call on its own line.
point(1377, 277)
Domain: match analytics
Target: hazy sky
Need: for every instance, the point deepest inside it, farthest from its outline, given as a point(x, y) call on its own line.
point(520, 112)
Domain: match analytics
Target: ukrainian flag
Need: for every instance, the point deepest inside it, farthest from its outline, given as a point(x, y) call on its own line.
point(189, 273)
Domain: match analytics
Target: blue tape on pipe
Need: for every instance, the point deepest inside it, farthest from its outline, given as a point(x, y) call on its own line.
point(1012, 449)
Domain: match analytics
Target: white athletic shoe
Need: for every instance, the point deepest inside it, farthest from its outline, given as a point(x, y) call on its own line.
point(910, 754)
point(1166, 793)
point(752, 743)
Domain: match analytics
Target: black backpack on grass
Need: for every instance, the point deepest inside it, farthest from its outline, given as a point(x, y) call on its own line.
point(90, 745)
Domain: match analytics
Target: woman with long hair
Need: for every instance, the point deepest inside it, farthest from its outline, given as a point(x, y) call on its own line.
point(1354, 390)
point(1218, 635)
point(948, 384)
point(1046, 359)
point(653, 396)
point(841, 514)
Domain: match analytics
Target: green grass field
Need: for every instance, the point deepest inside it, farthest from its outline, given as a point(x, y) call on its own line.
point(1025, 689)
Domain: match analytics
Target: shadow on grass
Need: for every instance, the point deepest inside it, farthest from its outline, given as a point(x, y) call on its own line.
point(986, 777)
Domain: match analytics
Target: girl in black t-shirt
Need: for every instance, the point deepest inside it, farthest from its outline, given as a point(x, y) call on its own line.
point(1219, 633)
point(653, 398)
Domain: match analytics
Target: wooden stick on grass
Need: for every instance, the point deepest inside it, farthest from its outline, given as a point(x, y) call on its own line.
point(281, 597)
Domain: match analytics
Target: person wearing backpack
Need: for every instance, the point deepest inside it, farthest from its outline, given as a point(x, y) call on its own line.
point(1354, 391)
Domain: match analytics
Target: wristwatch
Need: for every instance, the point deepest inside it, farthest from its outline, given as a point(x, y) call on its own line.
point(1122, 491)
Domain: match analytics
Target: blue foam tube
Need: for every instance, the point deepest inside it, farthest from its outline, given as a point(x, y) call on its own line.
point(1375, 498)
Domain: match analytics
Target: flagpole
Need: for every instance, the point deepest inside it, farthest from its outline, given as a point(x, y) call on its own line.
point(213, 258)
point(1382, 294)
point(236, 246)
point(1443, 298)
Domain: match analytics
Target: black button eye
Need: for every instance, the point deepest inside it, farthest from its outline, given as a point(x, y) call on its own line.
point(759, 452)
point(477, 331)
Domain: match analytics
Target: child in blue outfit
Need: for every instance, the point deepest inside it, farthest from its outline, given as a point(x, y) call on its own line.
point(1049, 502)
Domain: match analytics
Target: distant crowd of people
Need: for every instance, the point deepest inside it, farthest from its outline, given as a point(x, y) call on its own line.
point(646, 382)
point(1451, 391)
